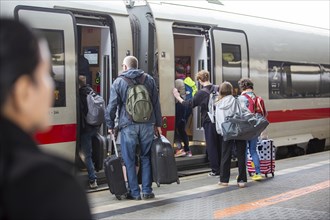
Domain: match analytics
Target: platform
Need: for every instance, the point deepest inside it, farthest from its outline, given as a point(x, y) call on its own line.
point(299, 190)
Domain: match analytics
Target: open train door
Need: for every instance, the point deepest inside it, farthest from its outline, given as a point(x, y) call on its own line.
point(230, 56)
point(58, 27)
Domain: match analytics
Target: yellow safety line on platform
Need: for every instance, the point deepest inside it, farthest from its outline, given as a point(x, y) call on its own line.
point(234, 210)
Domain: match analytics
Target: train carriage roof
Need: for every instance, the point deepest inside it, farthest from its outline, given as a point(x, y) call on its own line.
point(113, 7)
point(212, 13)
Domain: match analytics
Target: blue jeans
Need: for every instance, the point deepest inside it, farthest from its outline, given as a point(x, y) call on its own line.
point(86, 147)
point(252, 146)
point(130, 137)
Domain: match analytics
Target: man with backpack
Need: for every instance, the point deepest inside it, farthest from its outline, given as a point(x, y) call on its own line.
point(92, 109)
point(135, 94)
point(256, 105)
point(212, 138)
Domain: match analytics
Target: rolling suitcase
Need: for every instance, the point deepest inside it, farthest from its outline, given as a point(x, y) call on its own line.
point(266, 152)
point(98, 145)
point(164, 170)
point(114, 173)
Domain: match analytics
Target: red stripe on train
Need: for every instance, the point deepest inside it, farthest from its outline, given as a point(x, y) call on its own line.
point(298, 115)
point(68, 132)
point(58, 134)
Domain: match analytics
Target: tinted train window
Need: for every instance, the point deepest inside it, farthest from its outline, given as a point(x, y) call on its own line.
point(232, 64)
point(296, 80)
point(55, 40)
point(325, 81)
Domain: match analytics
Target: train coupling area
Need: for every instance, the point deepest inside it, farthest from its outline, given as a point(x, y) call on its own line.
point(300, 189)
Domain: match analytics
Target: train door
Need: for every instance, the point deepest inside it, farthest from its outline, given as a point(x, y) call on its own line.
point(191, 55)
point(230, 56)
point(58, 26)
point(95, 46)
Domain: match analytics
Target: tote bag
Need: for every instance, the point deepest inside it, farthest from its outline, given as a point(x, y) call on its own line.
point(243, 125)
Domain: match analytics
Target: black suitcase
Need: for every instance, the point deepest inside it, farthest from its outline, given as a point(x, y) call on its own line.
point(99, 143)
point(164, 170)
point(113, 170)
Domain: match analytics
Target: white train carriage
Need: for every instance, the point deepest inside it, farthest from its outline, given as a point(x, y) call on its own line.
point(289, 63)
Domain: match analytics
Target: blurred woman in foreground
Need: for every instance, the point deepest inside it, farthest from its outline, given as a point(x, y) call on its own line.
point(33, 185)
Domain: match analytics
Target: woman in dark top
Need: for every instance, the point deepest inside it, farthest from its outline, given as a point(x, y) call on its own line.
point(212, 138)
point(33, 185)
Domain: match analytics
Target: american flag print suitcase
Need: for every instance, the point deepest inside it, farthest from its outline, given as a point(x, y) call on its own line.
point(266, 153)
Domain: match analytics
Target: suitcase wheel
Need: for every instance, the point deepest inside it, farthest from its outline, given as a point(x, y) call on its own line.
point(178, 181)
point(120, 197)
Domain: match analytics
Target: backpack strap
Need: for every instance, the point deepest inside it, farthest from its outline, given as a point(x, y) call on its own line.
point(206, 90)
point(213, 89)
point(142, 78)
point(88, 90)
point(247, 96)
point(252, 101)
point(128, 80)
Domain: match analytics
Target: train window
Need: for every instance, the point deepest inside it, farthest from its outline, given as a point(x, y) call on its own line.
point(305, 81)
point(294, 80)
point(232, 64)
point(55, 40)
point(325, 81)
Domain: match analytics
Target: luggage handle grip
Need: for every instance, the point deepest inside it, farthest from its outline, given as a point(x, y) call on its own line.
point(114, 143)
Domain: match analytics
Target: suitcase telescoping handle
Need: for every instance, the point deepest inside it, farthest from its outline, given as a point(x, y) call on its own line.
point(114, 144)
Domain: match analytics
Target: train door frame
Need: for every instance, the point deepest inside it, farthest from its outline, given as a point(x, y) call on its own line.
point(64, 133)
point(105, 61)
point(105, 42)
point(40, 19)
point(230, 37)
point(200, 61)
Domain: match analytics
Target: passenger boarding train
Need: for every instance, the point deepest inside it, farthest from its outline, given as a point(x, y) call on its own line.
point(289, 63)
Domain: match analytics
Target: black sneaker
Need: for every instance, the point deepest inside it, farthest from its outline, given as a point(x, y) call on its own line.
point(213, 174)
point(130, 197)
point(148, 195)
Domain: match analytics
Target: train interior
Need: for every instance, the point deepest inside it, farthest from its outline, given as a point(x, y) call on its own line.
point(94, 46)
point(191, 55)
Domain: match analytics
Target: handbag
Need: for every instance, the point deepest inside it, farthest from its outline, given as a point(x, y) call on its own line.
point(243, 125)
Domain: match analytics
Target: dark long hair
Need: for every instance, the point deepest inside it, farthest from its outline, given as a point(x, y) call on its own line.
point(19, 55)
